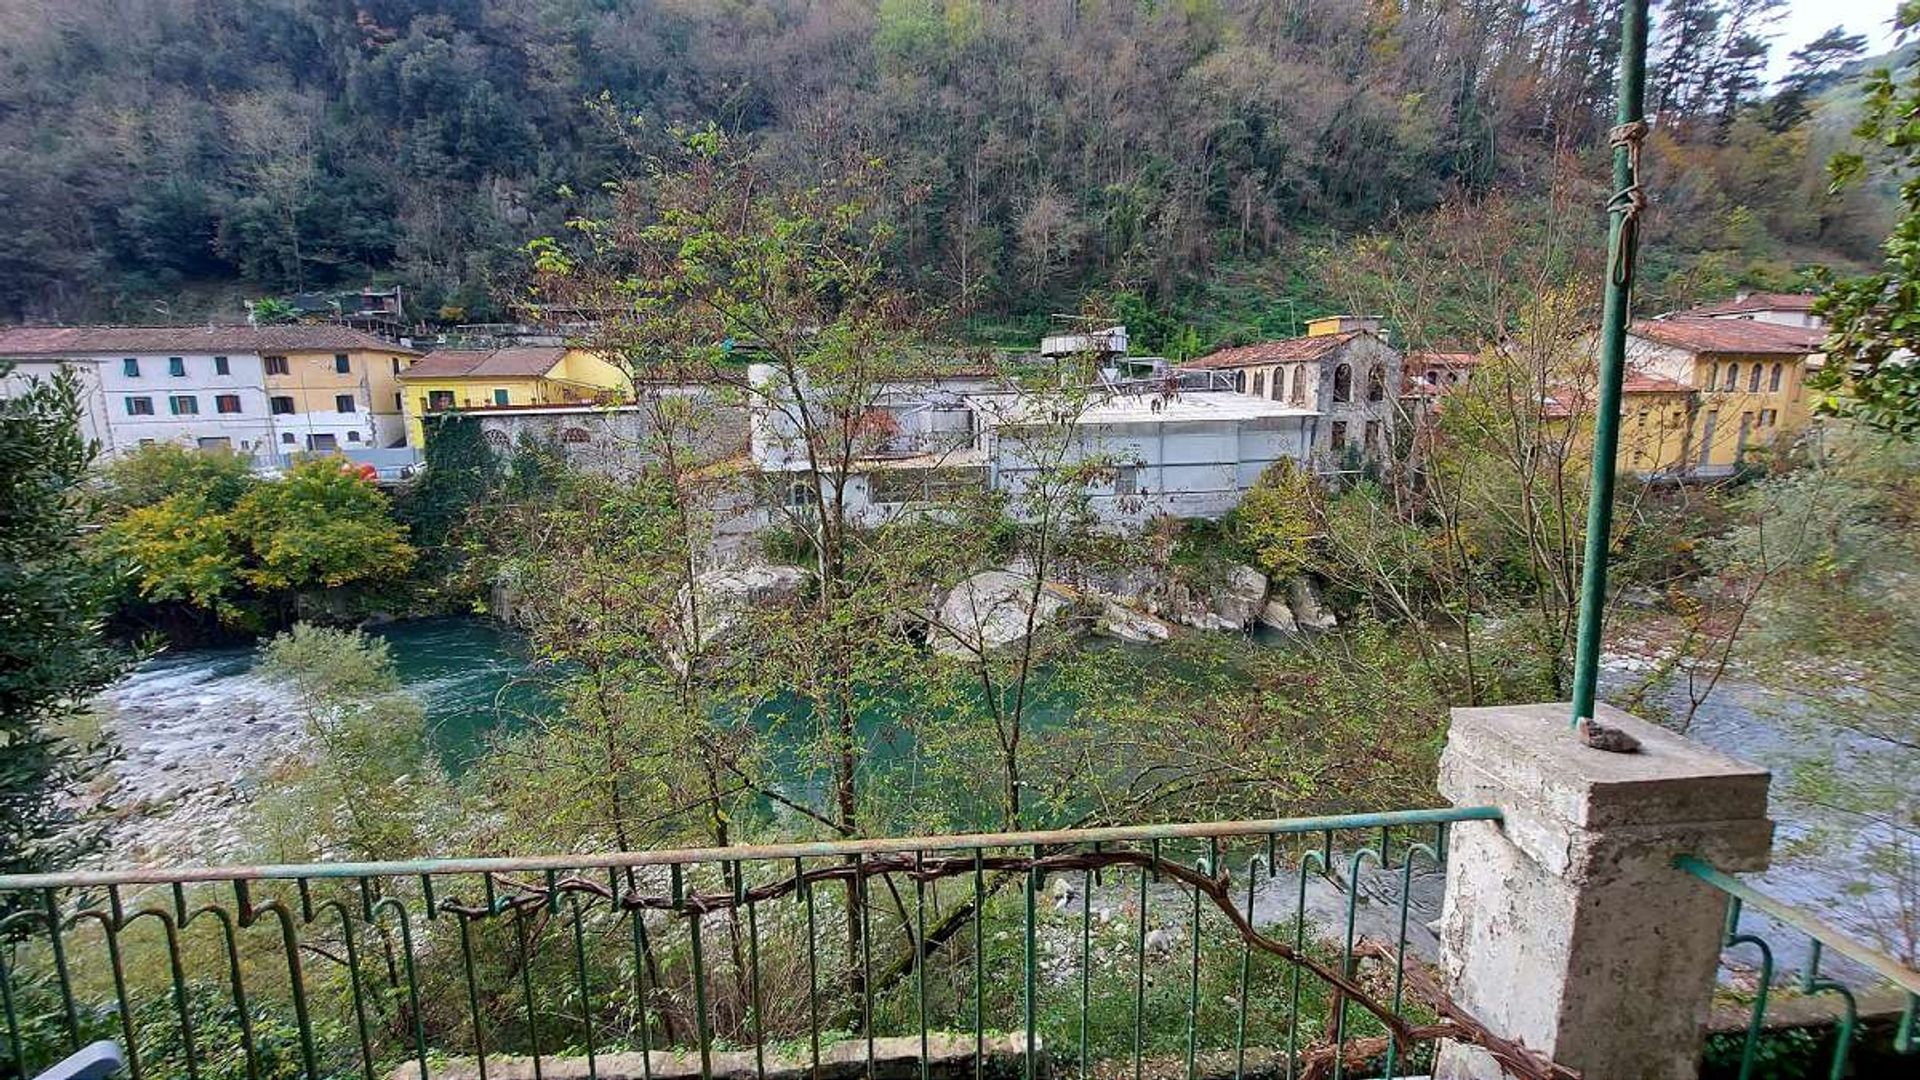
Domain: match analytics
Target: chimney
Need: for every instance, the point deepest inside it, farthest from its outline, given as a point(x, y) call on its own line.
point(1340, 324)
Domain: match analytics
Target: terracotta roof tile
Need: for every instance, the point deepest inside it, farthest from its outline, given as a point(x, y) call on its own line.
point(520, 362)
point(1700, 334)
point(1285, 350)
point(1751, 302)
point(24, 341)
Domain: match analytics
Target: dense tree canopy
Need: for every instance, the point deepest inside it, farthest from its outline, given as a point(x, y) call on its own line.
point(183, 153)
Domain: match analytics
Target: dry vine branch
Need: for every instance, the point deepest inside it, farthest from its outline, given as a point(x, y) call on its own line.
point(1456, 1023)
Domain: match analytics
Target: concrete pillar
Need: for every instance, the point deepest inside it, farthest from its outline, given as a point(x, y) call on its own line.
point(1566, 927)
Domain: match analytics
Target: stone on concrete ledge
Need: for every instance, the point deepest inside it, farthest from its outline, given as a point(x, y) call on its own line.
point(1566, 925)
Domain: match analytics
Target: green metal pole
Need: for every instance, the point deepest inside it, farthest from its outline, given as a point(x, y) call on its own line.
point(1613, 354)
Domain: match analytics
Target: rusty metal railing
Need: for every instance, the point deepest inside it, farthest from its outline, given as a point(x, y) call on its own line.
point(1117, 950)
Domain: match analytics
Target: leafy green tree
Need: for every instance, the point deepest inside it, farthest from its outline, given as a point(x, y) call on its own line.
point(1276, 522)
point(54, 598)
point(1873, 321)
point(321, 526)
point(152, 474)
point(365, 785)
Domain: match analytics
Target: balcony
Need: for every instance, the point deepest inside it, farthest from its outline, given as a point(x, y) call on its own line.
point(1290, 948)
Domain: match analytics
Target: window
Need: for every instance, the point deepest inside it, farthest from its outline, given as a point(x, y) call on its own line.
point(1240, 381)
point(215, 442)
point(1640, 418)
point(439, 400)
point(575, 435)
point(276, 365)
point(1773, 381)
point(323, 441)
point(1279, 383)
point(220, 366)
point(146, 442)
point(396, 365)
point(341, 363)
point(1126, 480)
point(1376, 383)
point(353, 436)
point(1343, 383)
point(139, 406)
point(1733, 378)
point(502, 397)
point(226, 403)
point(1753, 380)
point(130, 367)
point(280, 406)
point(1373, 435)
point(1433, 378)
point(286, 436)
point(184, 405)
point(399, 405)
point(1339, 435)
point(1259, 384)
point(343, 403)
point(1299, 385)
point(1769, 417)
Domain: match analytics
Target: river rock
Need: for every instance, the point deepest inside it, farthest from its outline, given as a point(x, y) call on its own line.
point(1276, 615)
point(1122, 622)
point(726, 594)
point(1238, 600)
point(989, 610)
point(1304, 597)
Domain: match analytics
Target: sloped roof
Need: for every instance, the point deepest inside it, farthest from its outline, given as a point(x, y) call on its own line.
point(1639, 382)
point(1701, 334)
point(1285, 350)
point(26, 341)
point(1752, 302)
point(518, 362)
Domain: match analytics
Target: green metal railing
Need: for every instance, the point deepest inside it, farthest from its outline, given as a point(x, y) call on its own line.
point(1119, 950)
point(1812, 980)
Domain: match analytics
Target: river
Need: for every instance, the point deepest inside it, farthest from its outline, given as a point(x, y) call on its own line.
point(198, 728)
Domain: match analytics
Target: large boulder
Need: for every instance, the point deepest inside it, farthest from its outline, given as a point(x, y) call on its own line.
point(1124, 623)
point(1304, 597)
point(1276, 615)
point(1238, 600)
point(990, 610)
point(725, 594)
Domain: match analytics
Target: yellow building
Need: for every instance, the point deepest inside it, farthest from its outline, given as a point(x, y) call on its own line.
point(478, 379)
point(1656, 420)
point(1746, 377)
point(333, 387)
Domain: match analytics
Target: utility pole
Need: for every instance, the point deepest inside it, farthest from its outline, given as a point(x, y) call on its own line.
point(1623, 232)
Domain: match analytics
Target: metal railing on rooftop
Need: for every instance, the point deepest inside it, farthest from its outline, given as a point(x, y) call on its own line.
point(1875, 966)
point(1128, 951)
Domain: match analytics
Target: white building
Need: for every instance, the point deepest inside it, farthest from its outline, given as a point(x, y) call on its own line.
point(1166, 449)
point(1781, 309)
point(260, 391)
point(1175, 453)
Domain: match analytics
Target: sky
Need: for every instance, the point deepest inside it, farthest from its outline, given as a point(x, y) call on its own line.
point(1805, 20)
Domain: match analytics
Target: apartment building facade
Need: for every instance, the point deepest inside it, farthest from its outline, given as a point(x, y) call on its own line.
point(247, 389)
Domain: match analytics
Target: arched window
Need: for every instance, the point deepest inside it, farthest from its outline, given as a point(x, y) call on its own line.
point(1753, 380)
point(575, 435)
point(1733, 378)
point(496, 438)
point(1376, 382)
point(1343, 383)
point(1299, 384)
point(1773, 382)
point(1240, 381)
point(1279, 384)
point(1259, 384)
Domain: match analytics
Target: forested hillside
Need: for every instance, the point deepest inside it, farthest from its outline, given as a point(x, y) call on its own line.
point(163, 158)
